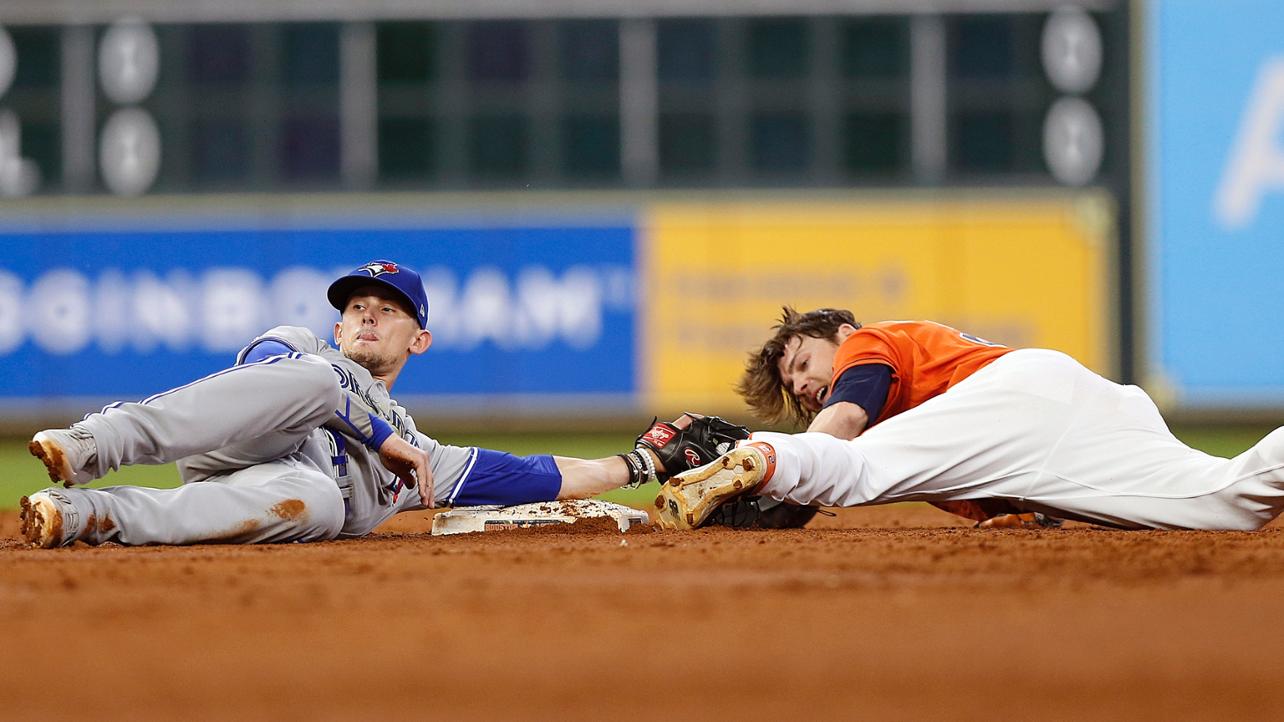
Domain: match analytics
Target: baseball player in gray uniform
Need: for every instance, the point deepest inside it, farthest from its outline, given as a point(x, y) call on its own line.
point(299, 441)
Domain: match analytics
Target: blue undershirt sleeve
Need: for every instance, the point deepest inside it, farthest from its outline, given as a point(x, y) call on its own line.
point(380, 429)
point(866, 386)
point(363, 426)
point(504, 479)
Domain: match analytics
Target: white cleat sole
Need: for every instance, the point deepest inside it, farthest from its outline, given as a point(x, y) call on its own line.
point(42, 522)
point(688, 499)
point(51, 454)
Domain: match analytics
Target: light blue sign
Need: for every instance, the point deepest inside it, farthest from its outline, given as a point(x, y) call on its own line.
point(541, 311)
point(1215, 262)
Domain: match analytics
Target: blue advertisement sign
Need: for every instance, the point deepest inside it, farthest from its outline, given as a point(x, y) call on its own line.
point(1216, 201)
point(525, 310)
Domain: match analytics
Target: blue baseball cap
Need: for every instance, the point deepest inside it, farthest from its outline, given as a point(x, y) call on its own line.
point(399, 278)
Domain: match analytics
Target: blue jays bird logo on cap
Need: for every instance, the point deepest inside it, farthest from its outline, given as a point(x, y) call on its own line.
point(402, 279)
point(378, 268)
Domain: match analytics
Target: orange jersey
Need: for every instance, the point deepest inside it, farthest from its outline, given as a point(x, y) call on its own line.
point(926, 359)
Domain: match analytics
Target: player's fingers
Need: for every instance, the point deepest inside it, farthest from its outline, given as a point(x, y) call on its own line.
point(1008, 521)
point(423, 472)
point(685, 420)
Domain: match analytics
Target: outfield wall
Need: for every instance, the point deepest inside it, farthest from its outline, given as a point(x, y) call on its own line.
point(575, 307)
point(1213, 272)
point(1018, 272)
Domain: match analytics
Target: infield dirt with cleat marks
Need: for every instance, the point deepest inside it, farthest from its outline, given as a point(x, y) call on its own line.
point(884, 613)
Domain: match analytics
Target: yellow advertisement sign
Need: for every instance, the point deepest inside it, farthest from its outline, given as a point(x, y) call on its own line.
point(1021, 272)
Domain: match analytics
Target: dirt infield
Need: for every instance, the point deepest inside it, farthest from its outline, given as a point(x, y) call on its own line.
point(892, 613)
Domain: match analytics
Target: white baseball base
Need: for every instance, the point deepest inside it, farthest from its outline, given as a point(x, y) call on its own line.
point(471, 519)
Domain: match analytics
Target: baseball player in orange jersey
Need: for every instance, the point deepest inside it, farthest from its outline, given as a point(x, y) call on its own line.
point(918, 411)
point(916, 361)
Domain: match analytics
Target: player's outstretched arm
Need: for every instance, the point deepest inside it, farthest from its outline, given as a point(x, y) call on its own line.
point(410, 463)
point(584, 478)
point(844, 420)
point(664, 449)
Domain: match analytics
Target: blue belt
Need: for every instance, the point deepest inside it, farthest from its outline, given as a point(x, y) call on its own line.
point(339, 461)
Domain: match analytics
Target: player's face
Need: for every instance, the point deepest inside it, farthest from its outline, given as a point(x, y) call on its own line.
point(378, 332)
point(807, 367)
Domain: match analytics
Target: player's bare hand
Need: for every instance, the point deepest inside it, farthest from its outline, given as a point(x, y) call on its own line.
point(410, 464)
point(1029, 520)
point(685, 420)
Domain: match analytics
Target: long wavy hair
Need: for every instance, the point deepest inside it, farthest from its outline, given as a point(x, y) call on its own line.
point(761, 386)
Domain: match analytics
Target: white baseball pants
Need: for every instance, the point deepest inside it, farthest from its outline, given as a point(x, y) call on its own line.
point(1038, 429)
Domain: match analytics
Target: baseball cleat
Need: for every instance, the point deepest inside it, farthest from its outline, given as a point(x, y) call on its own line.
point(688, 499)
point(49, 520)
point(66, 454)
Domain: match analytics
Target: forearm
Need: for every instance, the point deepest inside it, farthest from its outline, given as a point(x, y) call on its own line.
point(583, 478)
point(843, 420)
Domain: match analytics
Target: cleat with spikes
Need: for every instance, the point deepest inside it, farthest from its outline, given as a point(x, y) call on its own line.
point(66, 453)
point(49, 520)
point(690, 497)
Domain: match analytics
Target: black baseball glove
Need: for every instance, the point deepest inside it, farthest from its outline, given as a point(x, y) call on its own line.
point(760, 512)
point(707, 438)
point(679, 450)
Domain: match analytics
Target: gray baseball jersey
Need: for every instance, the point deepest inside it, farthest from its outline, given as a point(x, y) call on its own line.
point(268, 451)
